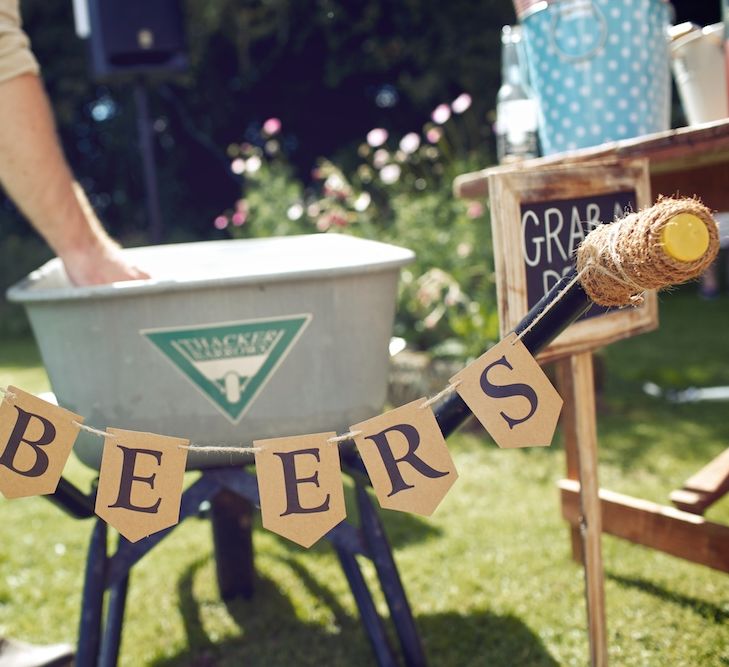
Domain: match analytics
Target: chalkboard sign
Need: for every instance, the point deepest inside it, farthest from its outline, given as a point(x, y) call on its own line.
point(553, 230)
point(539, 217)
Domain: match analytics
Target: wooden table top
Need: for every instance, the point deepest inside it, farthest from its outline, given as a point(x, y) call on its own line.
point(681, 160)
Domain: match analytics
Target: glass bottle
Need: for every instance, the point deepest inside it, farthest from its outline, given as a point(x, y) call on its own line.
point(516, 110)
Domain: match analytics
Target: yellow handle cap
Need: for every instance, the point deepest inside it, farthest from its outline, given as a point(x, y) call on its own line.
point(685, 237)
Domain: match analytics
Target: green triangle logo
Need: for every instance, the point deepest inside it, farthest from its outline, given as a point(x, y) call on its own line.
point(230, 362)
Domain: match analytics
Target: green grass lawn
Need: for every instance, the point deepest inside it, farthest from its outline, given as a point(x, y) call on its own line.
point(489, 577)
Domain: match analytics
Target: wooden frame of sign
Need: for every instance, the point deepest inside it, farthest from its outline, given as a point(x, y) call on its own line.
point(538, 218)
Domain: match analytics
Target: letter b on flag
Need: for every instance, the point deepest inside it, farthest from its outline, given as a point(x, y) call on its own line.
point(36, 438)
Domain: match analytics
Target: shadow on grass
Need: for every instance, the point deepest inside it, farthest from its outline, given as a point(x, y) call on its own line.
point(706, 610)
point(272, 635)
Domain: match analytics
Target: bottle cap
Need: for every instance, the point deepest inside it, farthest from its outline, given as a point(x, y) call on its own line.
point(685, 237)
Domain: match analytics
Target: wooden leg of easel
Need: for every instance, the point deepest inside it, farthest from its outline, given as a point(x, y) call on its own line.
point(591, 524)
point(568, 422)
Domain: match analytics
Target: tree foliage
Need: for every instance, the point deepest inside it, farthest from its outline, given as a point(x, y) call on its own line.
point(330, 69)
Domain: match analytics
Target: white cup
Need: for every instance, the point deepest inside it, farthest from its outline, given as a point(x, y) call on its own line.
point(698, 67)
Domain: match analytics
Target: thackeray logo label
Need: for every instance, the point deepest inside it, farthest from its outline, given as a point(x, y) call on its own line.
point(231, 362)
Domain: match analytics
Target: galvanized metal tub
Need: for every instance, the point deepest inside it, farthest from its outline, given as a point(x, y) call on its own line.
point(228, 342)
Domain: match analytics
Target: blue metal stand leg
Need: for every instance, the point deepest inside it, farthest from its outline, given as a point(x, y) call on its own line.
point(232, 520)
point(92, 604)
point(114, 620)
point(392, 588)
point(370, 618)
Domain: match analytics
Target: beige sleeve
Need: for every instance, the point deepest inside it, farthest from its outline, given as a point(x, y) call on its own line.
point(15, 55)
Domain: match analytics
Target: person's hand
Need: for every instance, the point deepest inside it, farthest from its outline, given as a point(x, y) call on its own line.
point(89, 254)
point(99, 264)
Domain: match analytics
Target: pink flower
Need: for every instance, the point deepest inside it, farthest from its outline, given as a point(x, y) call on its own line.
point(362, 202)
point(390, 173)
point(441, 114)
point(410, 143)
point(474, 210)
point(432, 319)
point(377, 137)
point(238, 166)
point(453, 296)
point(434, 135)
point(461, 103)
point(335, 186)
point(380, 158)
point(239, 218)
point(221, 222)
point(337, 218)
point(271, 127)
point(295, 211)
point(253, 164)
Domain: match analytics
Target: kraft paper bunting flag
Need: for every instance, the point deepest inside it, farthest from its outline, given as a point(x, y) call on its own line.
point(407, 458)
point(140, 482)
point(36, 438)
point(300, 486)
point(510, 395)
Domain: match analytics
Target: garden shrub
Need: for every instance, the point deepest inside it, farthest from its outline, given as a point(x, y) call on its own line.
point(400, 194)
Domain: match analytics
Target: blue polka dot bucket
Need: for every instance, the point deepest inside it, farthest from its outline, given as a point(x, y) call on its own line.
point(599, 69)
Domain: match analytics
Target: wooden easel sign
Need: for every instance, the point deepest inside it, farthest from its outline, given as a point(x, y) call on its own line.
point(538, 219)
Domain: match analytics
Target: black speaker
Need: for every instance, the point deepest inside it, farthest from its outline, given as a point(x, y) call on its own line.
point(131, 37)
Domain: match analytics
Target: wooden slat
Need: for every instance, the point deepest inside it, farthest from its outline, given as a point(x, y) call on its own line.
point(583, 401)
point(704, 488)
point(661, 527)
point(568, 419)
point(680, 150)
point(690, 501)
point(712, 477)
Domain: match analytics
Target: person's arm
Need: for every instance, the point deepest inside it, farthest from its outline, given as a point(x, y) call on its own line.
point(34, 172)
point(35, 175)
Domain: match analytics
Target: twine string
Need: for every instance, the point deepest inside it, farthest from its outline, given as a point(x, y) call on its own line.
point(95, 431)
point(594, 264)
point(443, 392)
point(345, 436)
point(8, 394)
point(213, 449)
point(618, 261)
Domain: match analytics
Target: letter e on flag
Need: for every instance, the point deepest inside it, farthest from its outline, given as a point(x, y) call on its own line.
point(300, 486)
point(406, 458)
point(510, 395)
point(36, 438)
point(140, 482)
